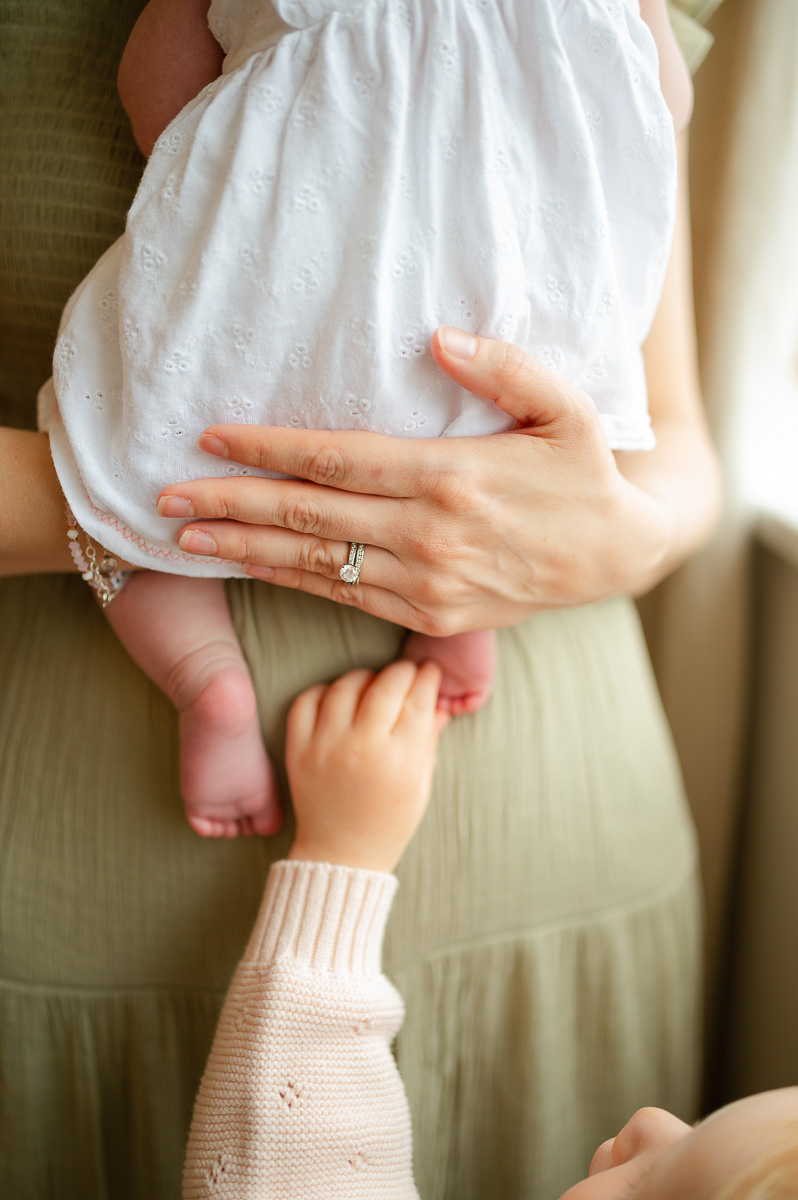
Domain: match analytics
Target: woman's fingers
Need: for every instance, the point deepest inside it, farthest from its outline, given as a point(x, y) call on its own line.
point(458, 531)
point(302, 507)
point(520, 385)
point(379, 602)
point(271, 548)
point(352, 460)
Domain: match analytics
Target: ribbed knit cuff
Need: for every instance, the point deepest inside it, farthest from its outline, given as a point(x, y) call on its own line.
point(330, 918)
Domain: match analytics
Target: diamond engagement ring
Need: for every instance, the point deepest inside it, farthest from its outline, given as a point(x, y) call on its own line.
point(350, 571)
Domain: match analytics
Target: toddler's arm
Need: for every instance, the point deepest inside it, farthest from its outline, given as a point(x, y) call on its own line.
point(301, 1097)
point(170, 56)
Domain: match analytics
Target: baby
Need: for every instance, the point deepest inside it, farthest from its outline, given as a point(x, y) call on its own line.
point(357, 175)
point(309, 1015)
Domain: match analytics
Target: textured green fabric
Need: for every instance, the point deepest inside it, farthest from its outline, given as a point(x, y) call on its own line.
point(69, 169)
point(546, 932)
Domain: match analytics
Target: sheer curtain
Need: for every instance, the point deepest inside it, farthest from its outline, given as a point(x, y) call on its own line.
point(744, 196)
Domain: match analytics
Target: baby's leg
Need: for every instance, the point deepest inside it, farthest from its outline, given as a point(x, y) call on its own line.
point(180, 633)
point(468, 662)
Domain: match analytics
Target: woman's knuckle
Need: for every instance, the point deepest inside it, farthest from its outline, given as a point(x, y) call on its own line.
point(259, 455)
point(436, 589)
point(428, 589)
point(244, 549)
point(293, 577)
point(453, 490)
point(325, 465)
point(446, 485)
point(442, 624)
point(300, 514)
point(585, 414)
point(345, 593)
point(438, 548)
point(512, 361)
point(228, 508)
point(316, 556)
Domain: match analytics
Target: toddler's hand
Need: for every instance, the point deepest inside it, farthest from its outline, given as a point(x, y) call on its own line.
point(360, 755)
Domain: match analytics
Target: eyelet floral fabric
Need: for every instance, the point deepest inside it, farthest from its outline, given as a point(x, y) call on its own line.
point(306, 223)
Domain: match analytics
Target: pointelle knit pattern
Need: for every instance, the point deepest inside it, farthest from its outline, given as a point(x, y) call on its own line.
point(301, 1096)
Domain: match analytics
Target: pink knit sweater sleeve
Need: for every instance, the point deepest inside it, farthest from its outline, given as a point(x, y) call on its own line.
point(301, 1097)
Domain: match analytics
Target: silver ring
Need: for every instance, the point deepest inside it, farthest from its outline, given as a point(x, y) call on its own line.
point(350, 571)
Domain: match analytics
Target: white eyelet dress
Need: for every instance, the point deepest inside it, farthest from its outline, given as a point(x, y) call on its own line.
point(360, 174)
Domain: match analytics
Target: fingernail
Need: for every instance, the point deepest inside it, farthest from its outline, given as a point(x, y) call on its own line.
point(213, 444)
point(457, 343)
point(258, 572)
point(175, 506)
point(194, 541)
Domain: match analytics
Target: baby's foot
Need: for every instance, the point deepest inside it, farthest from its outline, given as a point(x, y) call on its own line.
point(226, 778)
point(468, 662)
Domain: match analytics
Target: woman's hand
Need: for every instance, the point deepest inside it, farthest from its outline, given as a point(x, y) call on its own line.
point(468, 533)
point(461, 533)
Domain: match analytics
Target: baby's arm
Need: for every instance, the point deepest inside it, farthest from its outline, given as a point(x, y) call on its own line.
point(674, 76)
point(170, 56)
point(301, 1097)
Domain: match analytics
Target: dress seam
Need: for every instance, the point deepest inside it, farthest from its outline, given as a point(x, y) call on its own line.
point(109, 991)
point(584, 918)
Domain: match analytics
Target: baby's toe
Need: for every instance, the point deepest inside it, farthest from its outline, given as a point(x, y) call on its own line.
point(267, 821)
point(206, 826)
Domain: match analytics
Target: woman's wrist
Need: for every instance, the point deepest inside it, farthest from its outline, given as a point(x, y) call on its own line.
point(33, 531)
point(679, 484)
point(643, 539)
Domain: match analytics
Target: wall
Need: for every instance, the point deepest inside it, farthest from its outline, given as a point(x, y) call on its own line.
point(762, 1043)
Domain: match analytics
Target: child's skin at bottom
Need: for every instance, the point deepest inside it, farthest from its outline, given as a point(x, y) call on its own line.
point(360, 758)
point(746, 1151)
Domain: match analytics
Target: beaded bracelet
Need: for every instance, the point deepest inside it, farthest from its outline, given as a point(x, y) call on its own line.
point(104, 577)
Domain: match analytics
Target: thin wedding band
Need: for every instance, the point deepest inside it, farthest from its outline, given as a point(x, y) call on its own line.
point(350, 571)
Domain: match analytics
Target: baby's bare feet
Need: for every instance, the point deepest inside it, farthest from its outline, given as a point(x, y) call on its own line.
point(226, 778)
point(468, 662)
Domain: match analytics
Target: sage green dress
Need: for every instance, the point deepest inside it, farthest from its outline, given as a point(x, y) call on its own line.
point(546, 937)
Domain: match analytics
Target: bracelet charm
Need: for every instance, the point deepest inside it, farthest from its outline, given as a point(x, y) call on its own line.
point(103, 575)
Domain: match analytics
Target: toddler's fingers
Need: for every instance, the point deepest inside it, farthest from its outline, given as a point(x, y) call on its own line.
point(382, 702)
point(340, 701)
point(303, 715)
point(419, 717)
point(442, 719)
